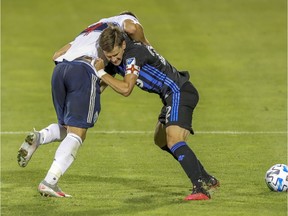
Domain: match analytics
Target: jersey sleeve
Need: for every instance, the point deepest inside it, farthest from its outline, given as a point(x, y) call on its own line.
point(134, 60)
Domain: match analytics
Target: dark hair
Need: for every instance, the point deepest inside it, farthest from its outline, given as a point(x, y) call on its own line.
point(128, 13)
point(110, 38)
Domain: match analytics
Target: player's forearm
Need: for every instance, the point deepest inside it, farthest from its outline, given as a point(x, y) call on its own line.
point(61, 51)
point(139, 38)
point(135, 31)
point(139, 35)
point(123, 87)
point(120, 86)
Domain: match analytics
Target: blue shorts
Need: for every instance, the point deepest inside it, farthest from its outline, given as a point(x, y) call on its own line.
point(76, 94)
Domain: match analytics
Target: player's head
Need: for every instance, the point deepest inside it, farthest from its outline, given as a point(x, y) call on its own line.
point(112, 42)
point(128, 13)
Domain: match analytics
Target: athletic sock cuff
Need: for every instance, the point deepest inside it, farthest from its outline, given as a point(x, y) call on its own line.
point(177, 146)
point(75, 136)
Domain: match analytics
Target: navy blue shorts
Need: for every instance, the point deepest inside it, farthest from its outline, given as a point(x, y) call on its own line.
point(76, 94)
point(178, 107)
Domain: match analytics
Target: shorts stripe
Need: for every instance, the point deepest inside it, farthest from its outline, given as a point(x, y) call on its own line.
point(92, 99)
point(175, 107)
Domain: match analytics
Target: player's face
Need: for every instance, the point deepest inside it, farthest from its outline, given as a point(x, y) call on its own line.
point(116, 55)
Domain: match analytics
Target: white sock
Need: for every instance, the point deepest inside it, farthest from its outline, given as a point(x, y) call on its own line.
point(53, 132)
point(53, 174)
point(64, 157)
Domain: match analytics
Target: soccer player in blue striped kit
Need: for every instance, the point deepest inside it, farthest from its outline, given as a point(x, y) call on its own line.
point(141, 65)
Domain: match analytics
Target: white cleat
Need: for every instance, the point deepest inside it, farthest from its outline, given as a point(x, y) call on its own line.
point(48, 190)
point(29, 146)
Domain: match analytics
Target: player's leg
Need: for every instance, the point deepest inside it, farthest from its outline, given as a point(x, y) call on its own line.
point(64, 157)
point(209, 180)
point(57, 131)
point(54, 132)
point(160, 138)
point(176, 141)
point(161, 141)
point(167, 138)
point(160, 135)
point(82, 106)
point(178, 122)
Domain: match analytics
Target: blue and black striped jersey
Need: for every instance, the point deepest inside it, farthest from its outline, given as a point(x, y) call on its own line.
point(156, 75)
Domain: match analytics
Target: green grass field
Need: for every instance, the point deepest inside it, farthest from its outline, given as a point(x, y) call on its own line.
point(236, 53)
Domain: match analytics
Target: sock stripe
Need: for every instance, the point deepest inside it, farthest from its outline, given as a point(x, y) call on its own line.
point(75, 136)
point(177, 145)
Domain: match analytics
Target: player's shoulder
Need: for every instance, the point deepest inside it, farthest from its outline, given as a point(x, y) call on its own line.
point(136, 53)
point(133, 46)
point(119, 19)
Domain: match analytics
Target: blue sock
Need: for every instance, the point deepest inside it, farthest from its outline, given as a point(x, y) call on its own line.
point(188, 161)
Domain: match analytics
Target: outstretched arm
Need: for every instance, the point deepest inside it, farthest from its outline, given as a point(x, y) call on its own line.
point(135, 31)
point(123, 87)
point(61, 51)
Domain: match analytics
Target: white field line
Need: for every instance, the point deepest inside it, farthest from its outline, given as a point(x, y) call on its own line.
point(151, 132)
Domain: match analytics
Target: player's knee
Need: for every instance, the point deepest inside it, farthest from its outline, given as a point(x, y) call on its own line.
point(176, 134)
point(80, 132)
point(159, 140)
point(160, 135)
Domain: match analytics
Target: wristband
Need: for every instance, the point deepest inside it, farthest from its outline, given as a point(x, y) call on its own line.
point(101, 73)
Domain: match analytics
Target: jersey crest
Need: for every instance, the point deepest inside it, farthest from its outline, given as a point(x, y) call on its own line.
point(131, 67)
point(130, 61)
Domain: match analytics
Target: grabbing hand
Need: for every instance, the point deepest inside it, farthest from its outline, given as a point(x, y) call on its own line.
point(99, 64)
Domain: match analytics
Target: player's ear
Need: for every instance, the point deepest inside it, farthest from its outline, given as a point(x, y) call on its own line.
point(123, 45)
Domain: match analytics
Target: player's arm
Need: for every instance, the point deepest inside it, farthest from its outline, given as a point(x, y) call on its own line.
point(123, 87)
point(135, 31)
point(61, 51)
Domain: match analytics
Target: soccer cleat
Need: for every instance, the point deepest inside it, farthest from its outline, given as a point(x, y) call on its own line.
point(198, 193)
point(48, 190)
point(211, 182)
point(28, 147)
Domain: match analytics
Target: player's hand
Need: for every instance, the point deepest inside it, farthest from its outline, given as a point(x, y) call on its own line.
point(99, 64)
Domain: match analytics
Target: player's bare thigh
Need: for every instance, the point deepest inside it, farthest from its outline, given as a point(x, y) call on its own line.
point(81, 132)
point(170, 135)
point(160, 135)
point(175, 134)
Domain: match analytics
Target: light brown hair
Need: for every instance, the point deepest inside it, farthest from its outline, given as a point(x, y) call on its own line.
point(110, 38)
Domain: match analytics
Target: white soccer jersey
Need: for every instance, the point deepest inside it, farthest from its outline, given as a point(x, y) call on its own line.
point(85, 43)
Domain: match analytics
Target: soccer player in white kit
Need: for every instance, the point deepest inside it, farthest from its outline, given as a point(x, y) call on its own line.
point(76, 110)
